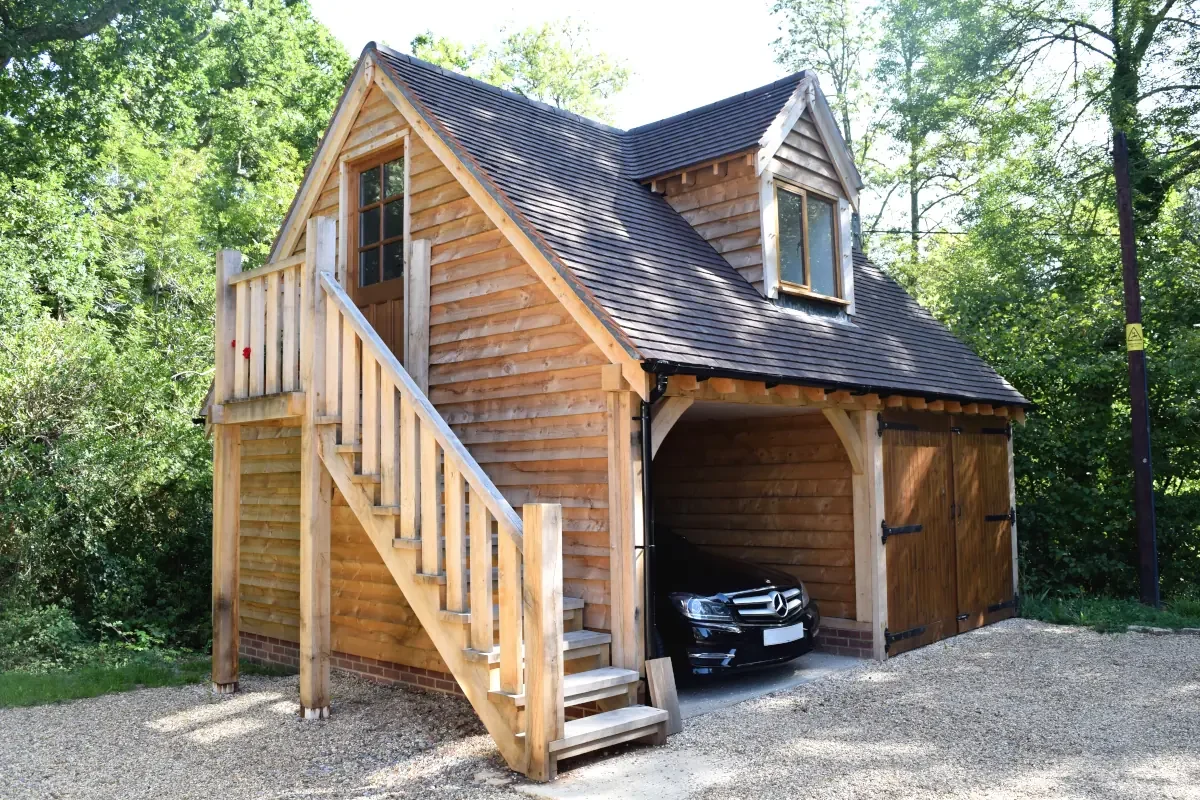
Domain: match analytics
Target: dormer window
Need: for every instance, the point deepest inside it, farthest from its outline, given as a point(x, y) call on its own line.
point(809, 261)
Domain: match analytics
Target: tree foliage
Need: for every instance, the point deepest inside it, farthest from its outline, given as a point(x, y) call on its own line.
point(553, 63)
point(127, 158)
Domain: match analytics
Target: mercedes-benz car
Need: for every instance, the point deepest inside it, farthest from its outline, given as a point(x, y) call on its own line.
point(718, 615)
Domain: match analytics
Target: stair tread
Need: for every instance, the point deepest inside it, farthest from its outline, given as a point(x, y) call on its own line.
point(569, 604)
point(365, 477)
point(348, 448)
point(415, 542)
point(580, 686)
point(572, 641)
point(609, 723)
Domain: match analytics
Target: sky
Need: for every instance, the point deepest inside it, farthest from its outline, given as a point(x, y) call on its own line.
point(682, 54)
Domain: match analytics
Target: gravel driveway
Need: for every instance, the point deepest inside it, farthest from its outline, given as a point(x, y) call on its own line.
point(1020, 709)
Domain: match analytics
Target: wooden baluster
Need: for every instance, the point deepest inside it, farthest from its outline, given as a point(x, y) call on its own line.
point(350, 385)
point(271, 384)
point(241, 369)
point(481, 573)
point(333, 357)
point(370, 412)
point(456, 543)
point(510, 612)
point(258, 327)
point(410, 462)
point(431, 551)
point(291, 350)
point(544, 710)
point(389, 445)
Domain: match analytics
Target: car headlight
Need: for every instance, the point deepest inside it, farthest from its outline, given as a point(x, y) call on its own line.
point(702, 609)
point(804, 598)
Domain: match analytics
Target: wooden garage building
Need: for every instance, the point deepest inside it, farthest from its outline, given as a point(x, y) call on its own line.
point(487, 326)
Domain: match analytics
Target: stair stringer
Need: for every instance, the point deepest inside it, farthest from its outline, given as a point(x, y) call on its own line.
point(449, 639)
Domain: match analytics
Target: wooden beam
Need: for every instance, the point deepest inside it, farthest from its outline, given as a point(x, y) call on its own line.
point(227, 482)
point(864, 519)
point(813, 394)
point(894, 401)
point(561, 282)
point(841, 396)
point(917, 403)
point(229, 264)
point(953, 407)
point(936, 405)
point(754, 388)
point(851, 441)
point(985, 409)
point(660, 680)
point(612, 378)
point(875, 509)
point(663, 418)
point(1012, 504)
point(684, 383)
point(544, 702)
point(1019, 415)
point(416, 329)
point(285, 405)
point(970, 408)
point(786, 391)
point(684, 179)
point(723, 385)
point(1001, 411)
point(316, 485)
point(871, 401)
point(621, 528)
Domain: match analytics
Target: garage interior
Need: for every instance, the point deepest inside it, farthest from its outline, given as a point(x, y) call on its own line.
point(775, 485)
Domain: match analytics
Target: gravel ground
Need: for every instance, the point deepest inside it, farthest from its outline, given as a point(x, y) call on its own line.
point(1020, 709)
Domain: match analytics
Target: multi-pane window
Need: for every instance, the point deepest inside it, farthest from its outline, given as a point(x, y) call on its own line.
point(381, 222)
point(808, 245)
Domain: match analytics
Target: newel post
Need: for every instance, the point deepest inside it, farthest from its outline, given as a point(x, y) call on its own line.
point(544, 710)
point(316, 485)
point(227, 479)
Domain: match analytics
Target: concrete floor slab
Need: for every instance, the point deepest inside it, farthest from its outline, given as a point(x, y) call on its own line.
point(706, 696)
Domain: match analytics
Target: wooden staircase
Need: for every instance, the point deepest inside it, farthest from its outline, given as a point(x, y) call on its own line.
point(485, 582)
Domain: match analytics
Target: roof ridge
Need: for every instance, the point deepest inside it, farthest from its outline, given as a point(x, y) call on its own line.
point(795, 77)
point(538, 104)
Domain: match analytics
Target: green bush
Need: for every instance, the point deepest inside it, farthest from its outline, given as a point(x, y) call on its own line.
point(38, 638)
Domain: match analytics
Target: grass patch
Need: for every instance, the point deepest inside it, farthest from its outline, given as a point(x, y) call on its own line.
point(141, 671)
point(1109, 615)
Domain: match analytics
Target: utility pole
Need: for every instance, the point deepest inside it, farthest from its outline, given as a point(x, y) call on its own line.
point(1143, 470)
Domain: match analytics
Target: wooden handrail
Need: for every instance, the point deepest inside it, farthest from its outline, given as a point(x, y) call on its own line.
point(431, 420)
point(267, 269)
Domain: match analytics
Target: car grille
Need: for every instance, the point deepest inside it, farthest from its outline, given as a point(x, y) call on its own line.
point(760, 606)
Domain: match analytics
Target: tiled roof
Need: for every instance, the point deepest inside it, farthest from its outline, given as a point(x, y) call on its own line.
point(573, 184)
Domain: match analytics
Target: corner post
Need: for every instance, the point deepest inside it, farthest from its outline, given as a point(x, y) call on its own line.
point(227, 480)
point(544, 710)
point(865, 531)
point(316, 485)
point(623, 519)
point(876, 499)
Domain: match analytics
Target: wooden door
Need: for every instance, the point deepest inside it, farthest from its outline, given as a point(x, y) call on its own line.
point(983, 526)
point(377, 244)
point(921, 592)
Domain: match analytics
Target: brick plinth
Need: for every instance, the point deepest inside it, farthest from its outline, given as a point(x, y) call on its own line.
point(844, 642)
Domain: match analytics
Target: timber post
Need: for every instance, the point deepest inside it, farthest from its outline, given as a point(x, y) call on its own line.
point(226, 488)
point(544, 702)
point(876, 499)
point(623, 521)
point(316, 485)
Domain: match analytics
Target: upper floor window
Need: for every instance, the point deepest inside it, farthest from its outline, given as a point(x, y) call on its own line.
point(808, 242)
point(381, 222)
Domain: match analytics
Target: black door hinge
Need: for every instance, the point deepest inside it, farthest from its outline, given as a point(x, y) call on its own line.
point(1006, 431)
point(1006, 604)
point(1011, 516)
point(889, 637)
point(897, 530)
point(961, 617)
point(896, 426)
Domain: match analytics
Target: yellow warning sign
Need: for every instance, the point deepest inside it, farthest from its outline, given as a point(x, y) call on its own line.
point(1133, 338)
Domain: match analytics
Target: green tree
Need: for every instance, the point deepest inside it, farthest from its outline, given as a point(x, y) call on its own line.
point(554, 63)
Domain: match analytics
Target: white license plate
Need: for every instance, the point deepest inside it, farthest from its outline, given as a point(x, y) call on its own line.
point(783, 635)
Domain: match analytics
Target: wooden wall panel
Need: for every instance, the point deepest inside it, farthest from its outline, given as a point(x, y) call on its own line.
point(803, 159)
point(773, 491)
point(723, 208)
point(369, 616)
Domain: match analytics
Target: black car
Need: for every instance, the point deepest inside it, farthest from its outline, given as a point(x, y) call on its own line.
point(718, 616)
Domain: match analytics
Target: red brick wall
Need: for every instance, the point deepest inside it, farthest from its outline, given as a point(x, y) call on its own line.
point(844, 642)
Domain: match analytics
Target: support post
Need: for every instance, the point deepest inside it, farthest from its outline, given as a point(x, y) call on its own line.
point(864, 516)
point(227, 480)
point(1139, 407)
point(416, 328)
point(622, 523)
point(316, 485)
point(544, 709)
point(876, 499)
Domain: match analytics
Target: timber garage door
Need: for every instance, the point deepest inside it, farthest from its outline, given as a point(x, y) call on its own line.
point(947, 527)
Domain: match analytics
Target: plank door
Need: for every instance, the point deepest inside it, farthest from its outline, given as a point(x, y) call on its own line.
point(377, 245)
point(921, 591)
point(983, 528)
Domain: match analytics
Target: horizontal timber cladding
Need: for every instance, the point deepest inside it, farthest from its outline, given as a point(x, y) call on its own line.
point(722, 205)
point(803, 159)
point(369, 616)
point(769, 490)
point(515, 376)
point(510, 370)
